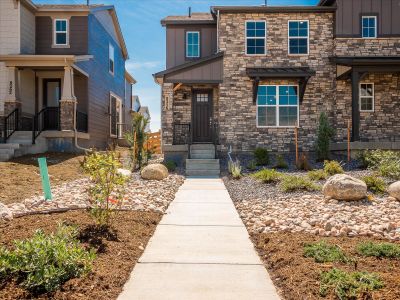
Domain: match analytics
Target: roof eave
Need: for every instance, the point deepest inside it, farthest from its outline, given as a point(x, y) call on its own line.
point(272, 9)
point(188, 22)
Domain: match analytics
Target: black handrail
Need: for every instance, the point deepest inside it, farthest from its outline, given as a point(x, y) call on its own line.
point(46, 119)
point(215, 136)
point(81, 121)
point(10, 124)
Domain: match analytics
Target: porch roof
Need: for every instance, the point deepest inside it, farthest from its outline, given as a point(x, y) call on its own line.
point(42, 60)
point(366, 60)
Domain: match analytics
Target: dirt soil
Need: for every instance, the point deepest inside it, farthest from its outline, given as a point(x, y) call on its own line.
point(297, 277)
point(117, 253)
point(20, 177)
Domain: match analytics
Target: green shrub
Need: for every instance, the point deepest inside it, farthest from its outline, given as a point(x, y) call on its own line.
point(281, 162)
point(252, 165)
point(324, 135)
point(268, 175)
point(349, 285)
point(375, 184)
point(303, 163)
point(332, 167)
point(387, 163)
point(171, 165)
point(290, 183)
point(317, 175)
point(44, 262)
point(261, 156)
point(235, 169)
point(388, 250)
point(323, 253)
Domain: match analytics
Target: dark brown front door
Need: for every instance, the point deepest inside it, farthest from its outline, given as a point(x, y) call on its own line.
point(202, 116)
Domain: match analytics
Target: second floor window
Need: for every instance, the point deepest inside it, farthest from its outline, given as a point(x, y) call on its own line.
point(369, 28)
point(298, 37)
point(256, 33)
point(60, 32)
point(111, 59)
point(192, 44)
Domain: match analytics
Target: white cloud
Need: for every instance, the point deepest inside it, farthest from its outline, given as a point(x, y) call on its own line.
point(136, 65)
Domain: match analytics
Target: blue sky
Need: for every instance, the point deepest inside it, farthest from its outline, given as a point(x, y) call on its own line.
point(145, 37)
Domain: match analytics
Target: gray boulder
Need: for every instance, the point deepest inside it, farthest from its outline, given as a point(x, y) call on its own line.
point(345, 187)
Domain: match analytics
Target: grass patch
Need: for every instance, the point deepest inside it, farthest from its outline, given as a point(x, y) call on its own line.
point(349, 285)
point(375, 184)
point(380, 250)
point(387, 163)
point(317, 175)
point(290, 183)
point(268, 175)
point(235, 169)
point(332, 167)
point(323, 252)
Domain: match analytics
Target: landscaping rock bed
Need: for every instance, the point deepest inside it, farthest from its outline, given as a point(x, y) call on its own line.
point(264, 208)
point(142, 195)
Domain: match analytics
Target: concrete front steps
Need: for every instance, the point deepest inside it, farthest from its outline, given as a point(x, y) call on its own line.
point(20, 143)
point(202, 161)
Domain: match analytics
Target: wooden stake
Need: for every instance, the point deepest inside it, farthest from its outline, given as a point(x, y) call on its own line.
point(297, 144)
point(177, 87)
point(348, 142)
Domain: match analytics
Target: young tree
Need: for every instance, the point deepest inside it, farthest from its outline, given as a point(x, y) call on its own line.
point(325, 134)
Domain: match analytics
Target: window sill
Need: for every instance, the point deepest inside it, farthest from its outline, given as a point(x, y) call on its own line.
point(277, 127)
point(305, 54)
point(60, 46)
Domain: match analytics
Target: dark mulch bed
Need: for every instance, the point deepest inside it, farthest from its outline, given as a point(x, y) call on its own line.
point(297, 277)
point(118, 251)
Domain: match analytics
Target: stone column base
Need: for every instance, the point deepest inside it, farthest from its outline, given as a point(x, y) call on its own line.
point(9, 106)
point(67, 115)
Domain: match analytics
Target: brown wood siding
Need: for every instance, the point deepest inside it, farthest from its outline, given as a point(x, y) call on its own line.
point(78, 36)
point(81, 93)
point(176, 42)
point(348, 18)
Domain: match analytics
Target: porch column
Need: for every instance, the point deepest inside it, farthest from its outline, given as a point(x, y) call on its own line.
point(67, 101)
point(12, 100)
point(355, 111)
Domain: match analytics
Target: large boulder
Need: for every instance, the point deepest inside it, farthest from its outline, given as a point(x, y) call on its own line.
point(154, 172)
point(5, 212)
point(394, 190)
point(345, 187)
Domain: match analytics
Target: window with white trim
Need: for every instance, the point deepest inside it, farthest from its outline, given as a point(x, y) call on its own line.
point(369, 27)
point(111, 64)
point(298, 37)
point(367, 95)
point(256, 37)
point(61, 32)
point(115, 116)
point(192, 44)
point(277, 106)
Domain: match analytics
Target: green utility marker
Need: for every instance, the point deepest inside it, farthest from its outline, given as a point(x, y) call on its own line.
point(44, 174)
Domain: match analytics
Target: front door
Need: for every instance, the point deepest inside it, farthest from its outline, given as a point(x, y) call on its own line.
point(202, 116)
point(51, 103)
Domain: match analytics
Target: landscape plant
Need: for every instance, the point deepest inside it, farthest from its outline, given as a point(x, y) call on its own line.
point(375, 184)
point(303, 163)
point(324, 135)
point(317, 175)
point(268, 175)
point(332, 167)
point(252, 165)
point(380, 250)
point(45, 261)
point(107, 185)
point(171, 165)
point(261, 156)
point(349, 285)
point(235, 169)
point(281, 162)
point(292, 183)
point(323, 252)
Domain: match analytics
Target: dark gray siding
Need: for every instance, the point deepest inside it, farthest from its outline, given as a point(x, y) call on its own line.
point(81, 92)
point(348, 17)
point(78, 36)
point(176, 42)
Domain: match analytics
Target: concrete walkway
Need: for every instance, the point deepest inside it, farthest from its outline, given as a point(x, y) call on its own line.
point(200, 250)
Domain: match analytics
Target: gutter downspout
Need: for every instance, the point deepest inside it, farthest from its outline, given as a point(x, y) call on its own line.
point(76, 132)
point(217, 31)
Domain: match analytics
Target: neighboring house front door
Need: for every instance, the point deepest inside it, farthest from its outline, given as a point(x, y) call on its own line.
point(51, 103)
point(202, 116)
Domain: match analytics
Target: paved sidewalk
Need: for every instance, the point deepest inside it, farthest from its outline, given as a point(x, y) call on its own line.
point(200, 250)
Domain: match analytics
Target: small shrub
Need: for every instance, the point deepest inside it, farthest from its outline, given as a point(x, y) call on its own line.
point(332, 167)
point(281, 162)
point(323, 253)
point(235, 169)
point(44, 262)
point(292, 183)
point(387, 250)
point(375, 184)
point(349, 285)
point(268, 175)
point(324, 135)
point(261, 156)
point(317, 175)
point(252, 165)
point(303, 163)
point(387, 163)
point(171, 165)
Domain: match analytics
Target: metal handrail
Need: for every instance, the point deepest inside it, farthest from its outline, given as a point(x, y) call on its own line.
point(11, 124)
point(42, 122)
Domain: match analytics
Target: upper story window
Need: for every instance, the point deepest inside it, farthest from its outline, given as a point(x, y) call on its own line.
point(367, 97)
point(111, 64)
point(192, 44)
point(61, 32)
point(256, 37)
point(369, 27)
point(298, 37)
point(277, 106)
